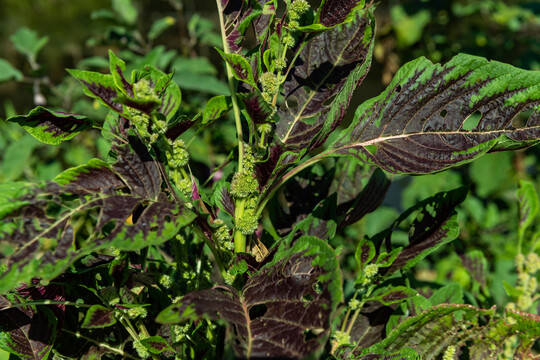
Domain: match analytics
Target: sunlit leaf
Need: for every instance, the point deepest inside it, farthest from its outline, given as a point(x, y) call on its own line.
point(433, 117)
point(52, 127)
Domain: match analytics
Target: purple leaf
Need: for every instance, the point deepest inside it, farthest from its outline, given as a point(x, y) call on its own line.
point(27, 333)
point(283, 311)
point(323, 81)
point(98, 317)
point(52, 127)
point(435, 225)
point(138, 169)
point(434, 117)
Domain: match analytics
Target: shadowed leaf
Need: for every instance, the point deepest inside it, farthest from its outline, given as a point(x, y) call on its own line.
point(155, 344)
point(27, 333)
point(138, 169)
point(98, 317)
point(94, 177)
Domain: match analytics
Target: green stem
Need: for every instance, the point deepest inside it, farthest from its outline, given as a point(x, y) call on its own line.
point(44, 302)
point(239, 238)
point(230, 79)
point(359, 308)
point(100, 344)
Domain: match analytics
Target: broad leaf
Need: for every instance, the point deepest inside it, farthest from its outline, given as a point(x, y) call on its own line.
point(26, 333)
point(283, 311)
point(238, 16)
point(8, 72)
point(94, 177)
point(138, 169)
point(323, 75)
point(433, 117)
point(52, 127)
point(28, 43)
point(38, 239)
point(98, 317)
point(99, 86)
point(216, 108)
point(155, 344)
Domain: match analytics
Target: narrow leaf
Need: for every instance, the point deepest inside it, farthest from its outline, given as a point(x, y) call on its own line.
point(528, 204)
point(52, 127)
point(435, 224)
point(394, 295)
point(117, 67)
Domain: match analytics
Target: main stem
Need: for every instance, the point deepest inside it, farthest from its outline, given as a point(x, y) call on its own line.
point(239, 238)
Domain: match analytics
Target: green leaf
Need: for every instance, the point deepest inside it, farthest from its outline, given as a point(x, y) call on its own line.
point(8, 72)
point(240, 67)
point(17, 157)
point(528, 204)
point(98, 317)
point(394, 295)
point(156, 344)
point(11, 196)
point(117, 67)
point(168, 91)
point(28, 43)
point(98, 86)
point(365, 252)
point(484, 334)
point(418, 124)
point(216, 108)
point(126, 10)
point(159, 26)
point(52, 127)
